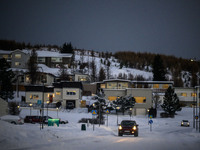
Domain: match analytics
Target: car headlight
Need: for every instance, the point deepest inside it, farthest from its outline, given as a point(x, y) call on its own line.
point(120, 127)
point(134, 127)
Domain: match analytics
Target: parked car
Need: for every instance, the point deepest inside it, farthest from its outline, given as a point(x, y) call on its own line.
point(32, 119)
point(128, 127)
point(185, 123)
point(12, 119)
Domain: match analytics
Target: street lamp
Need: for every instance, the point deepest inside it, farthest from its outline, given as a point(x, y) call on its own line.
point(130, 112)
point(47, 107)
point(30, 108)
point(117, 108)
point(57, 111)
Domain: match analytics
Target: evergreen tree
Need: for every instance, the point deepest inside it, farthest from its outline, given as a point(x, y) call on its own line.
point(6, 80)
point(67, 48)
point(93, 67)
point(171, 102)
point(158, 69)
point(33, 67)
point(124, 103)
point(102, 75)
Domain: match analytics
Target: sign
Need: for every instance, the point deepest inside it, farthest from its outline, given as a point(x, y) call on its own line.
point(107, 111)
point(150, 116)
point(196, 117)
point(94, 112)
point(150, 121)
point(53, 122)
point(39, 102)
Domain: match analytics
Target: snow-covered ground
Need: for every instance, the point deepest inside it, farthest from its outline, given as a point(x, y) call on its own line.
point(166, 133)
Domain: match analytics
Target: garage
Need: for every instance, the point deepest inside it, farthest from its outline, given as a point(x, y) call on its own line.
point(70, 104)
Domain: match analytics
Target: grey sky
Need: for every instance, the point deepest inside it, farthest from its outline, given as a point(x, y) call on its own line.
point(170, 27)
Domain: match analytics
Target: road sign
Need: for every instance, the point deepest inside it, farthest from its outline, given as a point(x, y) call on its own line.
point(107, 111)
point(150, 116)
point(94, 112)
point(150, 121)
point(196, 117)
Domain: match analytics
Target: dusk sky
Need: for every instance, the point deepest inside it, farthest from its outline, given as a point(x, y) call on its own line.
point(170, 27)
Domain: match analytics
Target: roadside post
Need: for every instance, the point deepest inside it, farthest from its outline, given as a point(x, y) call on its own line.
point(150, 122)
point(94, 113)
point(107, 112)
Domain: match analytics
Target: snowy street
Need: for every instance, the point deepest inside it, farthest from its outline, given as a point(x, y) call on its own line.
point(166, 134)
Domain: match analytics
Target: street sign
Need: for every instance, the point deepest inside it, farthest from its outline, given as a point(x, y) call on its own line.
point(150, 121)
point(107, 111)
point(196, 117)
point(39, 102)
point(150, 116)
point(94, 112)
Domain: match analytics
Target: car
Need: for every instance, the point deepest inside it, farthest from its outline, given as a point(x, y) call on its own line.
point(128, 127)
point(32, 119)
point(13, 119)
point(185, 123)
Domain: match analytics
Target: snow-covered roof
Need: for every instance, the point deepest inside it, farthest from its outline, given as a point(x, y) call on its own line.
point(5, 52)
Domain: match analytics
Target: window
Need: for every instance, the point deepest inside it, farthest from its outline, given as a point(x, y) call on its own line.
point(165, 86)
point(112, 85)
point(58, 93)
point(184, 94)
point(156, 86)
point(41, 59)
point(112, 98)
point(194, 94)
point(18, 56)
point(17, 63)
point(103, 86)
point(71, 92)
point(140, 99)
point(56, 59)
point(34, 96)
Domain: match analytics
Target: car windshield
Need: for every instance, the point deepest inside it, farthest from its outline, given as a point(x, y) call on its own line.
point(128, 123)
point(185, 120)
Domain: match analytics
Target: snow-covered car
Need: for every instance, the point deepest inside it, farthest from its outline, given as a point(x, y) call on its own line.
point(12, 119)
point(185, 123)
point(128, 127)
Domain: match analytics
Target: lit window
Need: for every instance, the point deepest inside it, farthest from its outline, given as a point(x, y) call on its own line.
point(58, 93)
point(194, 94)
point(17, 63)
point(165, 86)
point(184, 94)
point(140, 99)
point(156, 86)
point(34, 96)
point(103, 86)
point(112, 98)
point(18, 56)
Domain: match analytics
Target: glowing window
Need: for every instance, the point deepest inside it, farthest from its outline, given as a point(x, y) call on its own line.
point(194, 94)
point(58, 93)
point(140, 99)
point(165, 86)
point(34, 96)
point(18, 56)
point(103, 86)
point(112, 98)
point(17, 63)
point(184, 94)
point(156, 86)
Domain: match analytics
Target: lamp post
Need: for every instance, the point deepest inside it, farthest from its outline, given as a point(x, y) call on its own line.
point(117, 108)
point(30, 108)
point(47, 107)
point(130, 112)
point(42, 98)
point(198, 75)
point(57, 111)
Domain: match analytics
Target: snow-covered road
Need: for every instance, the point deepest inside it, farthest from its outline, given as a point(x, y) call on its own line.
point(166, 134)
